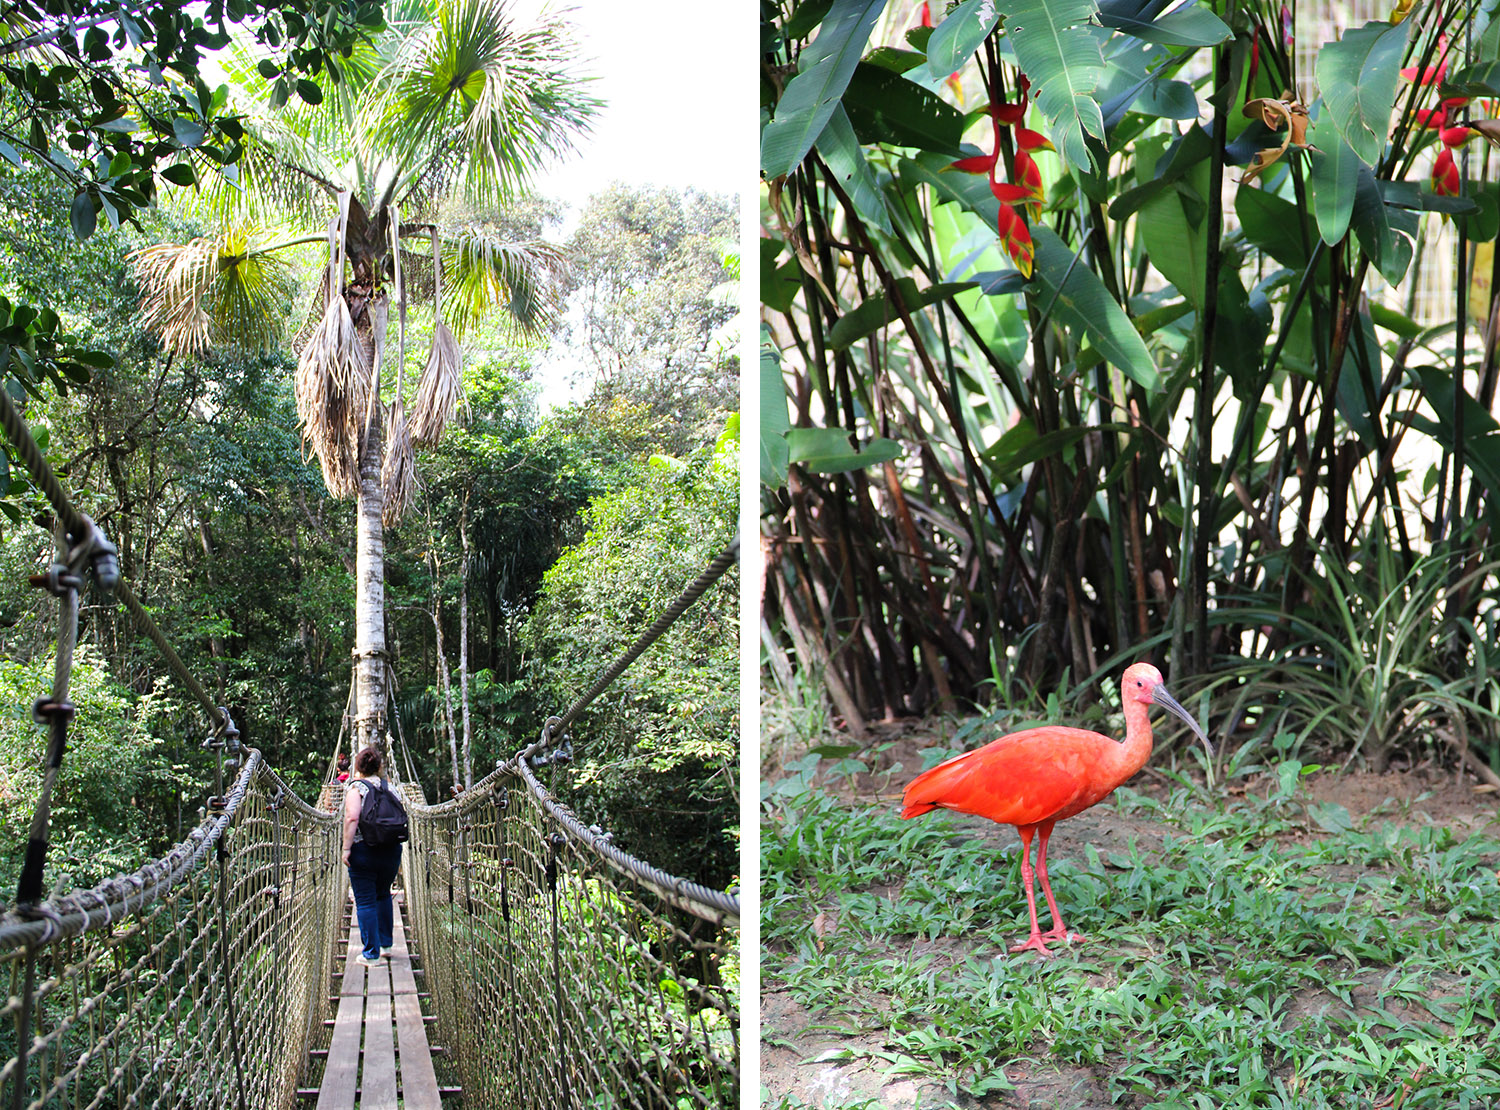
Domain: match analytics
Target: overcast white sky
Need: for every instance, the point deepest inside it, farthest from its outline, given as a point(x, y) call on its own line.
point(679, 108)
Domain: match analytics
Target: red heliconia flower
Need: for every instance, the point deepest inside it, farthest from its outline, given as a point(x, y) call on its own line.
point(926, 13)
point(1445, 179)
point(1028, 140)
point(1254, 64)
point(1026, 174)
point(1431, 75)
point(1289, 40)
point(1012, 114)
point(1455, 136)
point(1016, 238)
point(1434, 119)
point(980, 163)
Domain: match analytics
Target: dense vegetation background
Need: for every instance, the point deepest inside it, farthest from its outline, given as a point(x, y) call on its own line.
point(195, 469)
point(1187, 353)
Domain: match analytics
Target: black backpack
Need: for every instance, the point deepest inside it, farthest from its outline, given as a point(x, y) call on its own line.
point(382, 817)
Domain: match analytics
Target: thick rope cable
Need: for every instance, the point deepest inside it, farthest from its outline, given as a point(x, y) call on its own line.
point(557, 726)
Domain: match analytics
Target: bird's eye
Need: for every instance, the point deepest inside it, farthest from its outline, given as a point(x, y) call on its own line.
point(1138, 682)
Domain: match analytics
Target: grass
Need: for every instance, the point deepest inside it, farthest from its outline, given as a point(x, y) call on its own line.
point(1266, 953)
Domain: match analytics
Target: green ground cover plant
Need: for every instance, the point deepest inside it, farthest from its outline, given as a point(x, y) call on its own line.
point(1249, 947)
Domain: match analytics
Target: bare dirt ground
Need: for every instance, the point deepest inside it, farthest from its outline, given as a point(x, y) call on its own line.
point(815, 1067)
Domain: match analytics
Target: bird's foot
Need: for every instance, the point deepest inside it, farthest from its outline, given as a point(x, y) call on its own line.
point(1062, 936)
point(1034, 943)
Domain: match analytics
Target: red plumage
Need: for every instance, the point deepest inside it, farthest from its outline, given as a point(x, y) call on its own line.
point(1035, 778)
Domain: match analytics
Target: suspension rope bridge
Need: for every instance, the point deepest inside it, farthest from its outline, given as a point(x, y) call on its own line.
point(547, 967)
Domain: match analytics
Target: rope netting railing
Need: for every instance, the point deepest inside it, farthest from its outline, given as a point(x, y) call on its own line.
point(566, 972)
point(197, 981)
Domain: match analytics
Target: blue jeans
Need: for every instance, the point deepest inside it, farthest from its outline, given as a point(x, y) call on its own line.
point(372, 870)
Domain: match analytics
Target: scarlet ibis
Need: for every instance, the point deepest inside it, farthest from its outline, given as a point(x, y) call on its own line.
point(1035, 778)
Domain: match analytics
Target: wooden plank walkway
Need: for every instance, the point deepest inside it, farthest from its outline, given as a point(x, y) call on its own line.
point(379, 1007)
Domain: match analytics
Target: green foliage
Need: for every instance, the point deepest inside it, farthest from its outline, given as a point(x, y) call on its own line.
point(1261, 952)
point(665, 735)
point(1185, 365)
point(650, 294)
point(118, 788)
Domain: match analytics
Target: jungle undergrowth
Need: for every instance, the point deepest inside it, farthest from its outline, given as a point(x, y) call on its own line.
point(1267, 951)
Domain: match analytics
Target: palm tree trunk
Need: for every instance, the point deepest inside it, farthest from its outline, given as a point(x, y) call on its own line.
point(463, 639)
point(369, 597)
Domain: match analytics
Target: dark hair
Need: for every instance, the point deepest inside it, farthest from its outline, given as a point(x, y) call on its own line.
point(343, 764)
point(367, 762)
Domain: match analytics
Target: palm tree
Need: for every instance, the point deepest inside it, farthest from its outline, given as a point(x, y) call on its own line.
point(451, 105)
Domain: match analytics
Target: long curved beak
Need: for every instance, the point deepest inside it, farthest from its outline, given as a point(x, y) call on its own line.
point(1167, 701)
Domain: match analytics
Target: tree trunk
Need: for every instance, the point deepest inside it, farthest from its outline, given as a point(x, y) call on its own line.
point(463, 639)
point(369, 598)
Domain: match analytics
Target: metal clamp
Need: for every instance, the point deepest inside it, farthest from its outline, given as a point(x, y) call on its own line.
point(45, 710)
point(92, 548)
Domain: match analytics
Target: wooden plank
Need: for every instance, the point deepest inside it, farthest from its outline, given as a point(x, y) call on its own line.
point(377, 1084)
point(341, 1073)
point(419, 1088)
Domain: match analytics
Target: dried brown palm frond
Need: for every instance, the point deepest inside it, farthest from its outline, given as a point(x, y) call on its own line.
point(331, 383)
point(439, 390)
point(398, 476)
point(333, 377)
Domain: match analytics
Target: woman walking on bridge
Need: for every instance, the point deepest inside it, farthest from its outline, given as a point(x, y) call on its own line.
point(374, 827)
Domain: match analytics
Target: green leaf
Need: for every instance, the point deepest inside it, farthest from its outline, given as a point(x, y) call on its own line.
point(810, 97)
point(1357, 76)
point(779, 285)
point(1391, 320)
point(1476, 80)
point(1481, 433)
point(846, 160)
point(1055, 47)
point(955, 39)
point(309, 91)
point(1175, 243)
point(82, 215)
point(1191, 26)
point(1275, 226)
point(1389, 251)
point(885, 107)
point(189, 132)
point(8, 152)
point(774, 424)
point(808, 15)
point(1334, 174)
point(827, 450)
point(1021, 445)
point(124, 125)
point(876, 312)
point(179, 173)
point(1085, 305)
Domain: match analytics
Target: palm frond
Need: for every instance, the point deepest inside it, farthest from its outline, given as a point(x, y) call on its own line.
point(489, 274)
point(439, 390)
point(225, 290)
point(478, 102)
point(398, 474)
